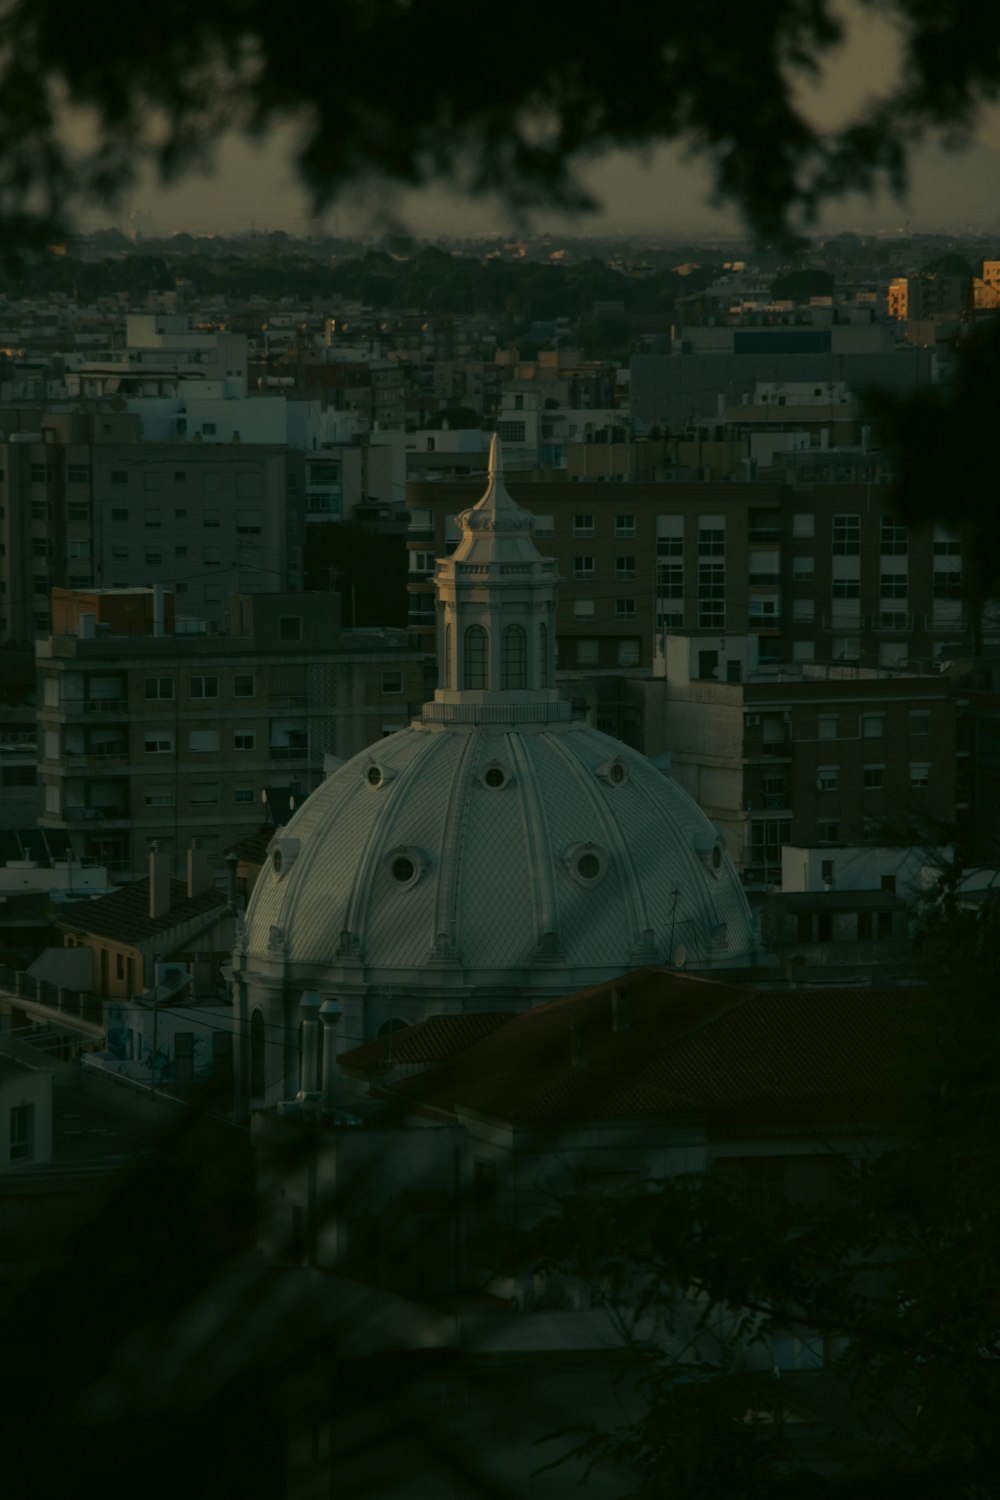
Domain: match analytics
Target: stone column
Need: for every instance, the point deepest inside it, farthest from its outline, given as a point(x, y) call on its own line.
point(309, 1008)
point(330, 1014)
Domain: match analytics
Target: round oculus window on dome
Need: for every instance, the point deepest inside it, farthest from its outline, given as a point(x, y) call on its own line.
point(585, 863)
point(277, 861)
point(373, 775)
point(494, 776)
point(616, 774)
point(403, 869)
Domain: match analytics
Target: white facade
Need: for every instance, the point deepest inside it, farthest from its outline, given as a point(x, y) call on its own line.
point(493, 854)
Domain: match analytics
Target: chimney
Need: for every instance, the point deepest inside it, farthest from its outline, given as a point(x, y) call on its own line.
point(577, 1046)
point(200, 875)
point(621, 1019)
point(159, 883)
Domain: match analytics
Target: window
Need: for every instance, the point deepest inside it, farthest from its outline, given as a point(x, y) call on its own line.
point(153, 519)
point(39, 548)
point(119, 515)
point(624, 609)
point(583, 525)
point(872, 726)
point(711, 542)
point(920, 721)
point(510, 432)
point(828, 830)
point(40, 473)
point(893, 537)
point(159, 687)
point(803, 569)
point(158, 742)
point(583, 567)
point(947, 540)
point(243, 685)
point(872, 778)
point(587, 653)
point(159, 797)
point(892, 585)
point(78, 473)
point(827, 726)
point(514, 657)
point(78, 510)
point(208, 429)
point(712, 614)
point(22, 1132)
point(846, 588)
point(826, 779)
point(180, 476)
point(180, 513)
point(670, 536)
point(203, 687)
point(151, 480)
point(544, 526)
point(119, 476)
point(40, 510)
point(846, 536)
point(920, 775)
point(244, 739)
point(211, 519)
point(624, 525)
point(203, 740)
point(804, 524)
point(584, 609)
point(290, 628)
point(803, 611)
point(209, 482)
point(625, 566)
point(249, 522)
point(392, 682)
point(243, 794)
point(180, 552)
point(212, 556)
point(153, 557)
point(670, 580)
point(475, 657)
point(946, 585)
point(204, 791)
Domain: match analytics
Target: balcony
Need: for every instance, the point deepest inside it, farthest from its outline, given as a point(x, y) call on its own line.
point(114, 812)
point(892, 621)
point(91, 707)
point(95, 760)
point(764, 536)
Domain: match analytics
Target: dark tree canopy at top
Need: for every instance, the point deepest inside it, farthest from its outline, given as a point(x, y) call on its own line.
point(405, 89)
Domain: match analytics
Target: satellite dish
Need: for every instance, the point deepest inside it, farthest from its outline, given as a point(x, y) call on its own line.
point(680, 956)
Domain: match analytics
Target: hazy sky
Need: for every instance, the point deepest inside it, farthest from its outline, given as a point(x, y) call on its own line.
point(665, 193)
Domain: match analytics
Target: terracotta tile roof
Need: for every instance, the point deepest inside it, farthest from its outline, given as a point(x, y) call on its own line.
point(694, 1050)
point(430, 1041)
point(252, 850)
point(124, 915)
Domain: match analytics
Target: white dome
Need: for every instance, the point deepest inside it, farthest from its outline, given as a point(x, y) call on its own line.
point(521, 859)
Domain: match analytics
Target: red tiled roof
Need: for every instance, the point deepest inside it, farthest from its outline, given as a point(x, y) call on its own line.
point(430, 1041)
point(124, 915)
point(694, 1049)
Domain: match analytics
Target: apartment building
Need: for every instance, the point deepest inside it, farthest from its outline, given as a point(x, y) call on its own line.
point(151, 737)
point(821, 572)
point(85, 504)
point(804, 755)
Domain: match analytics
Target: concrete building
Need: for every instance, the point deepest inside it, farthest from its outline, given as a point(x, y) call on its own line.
point(156, 737)
point(85, 504)
point(807, 755)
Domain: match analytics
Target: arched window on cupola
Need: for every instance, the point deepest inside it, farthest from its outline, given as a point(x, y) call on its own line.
point(543, 656)
point(448, 673)
point(257, 1085)
point(475, 657)
point(514, 657)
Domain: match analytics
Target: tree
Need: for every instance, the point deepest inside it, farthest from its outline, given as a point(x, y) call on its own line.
point(521, 120)
point(900, 1265)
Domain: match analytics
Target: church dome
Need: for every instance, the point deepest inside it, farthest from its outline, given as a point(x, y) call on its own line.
point(495, 852)
point(520, 858)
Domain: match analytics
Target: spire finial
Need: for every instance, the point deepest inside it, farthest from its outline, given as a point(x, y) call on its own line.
point(495, 468)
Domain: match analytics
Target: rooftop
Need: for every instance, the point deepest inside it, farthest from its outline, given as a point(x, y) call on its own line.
point(124, 915)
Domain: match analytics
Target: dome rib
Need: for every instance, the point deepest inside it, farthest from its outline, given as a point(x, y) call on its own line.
point(452, 844)
point(545, 897)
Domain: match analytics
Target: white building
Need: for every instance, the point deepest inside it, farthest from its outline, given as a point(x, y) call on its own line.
point(493, 854)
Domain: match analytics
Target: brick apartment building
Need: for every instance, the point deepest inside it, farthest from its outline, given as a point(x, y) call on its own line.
point(822, 572)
